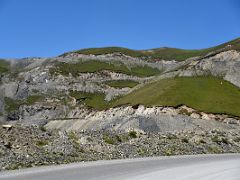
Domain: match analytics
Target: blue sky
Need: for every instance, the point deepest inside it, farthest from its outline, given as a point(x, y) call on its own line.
point(45, 28)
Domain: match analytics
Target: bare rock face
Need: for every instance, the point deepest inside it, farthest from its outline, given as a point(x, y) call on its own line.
point(225, 64)
point(9, 89)
point(13, 116)
point(22, 91)
point(39, 114)
point(156, 119)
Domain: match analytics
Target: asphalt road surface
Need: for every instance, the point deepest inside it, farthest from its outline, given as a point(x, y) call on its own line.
point(200, 167)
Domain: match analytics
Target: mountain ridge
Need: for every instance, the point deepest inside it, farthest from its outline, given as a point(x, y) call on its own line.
point(162, 53)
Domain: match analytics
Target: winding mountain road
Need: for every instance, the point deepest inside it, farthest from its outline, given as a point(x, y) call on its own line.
point(199, 167)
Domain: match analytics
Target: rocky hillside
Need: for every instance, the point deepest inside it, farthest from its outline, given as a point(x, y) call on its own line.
point(154, 91)
point(38, 90)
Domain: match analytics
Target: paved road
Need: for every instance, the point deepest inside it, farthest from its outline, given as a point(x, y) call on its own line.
point(203, 167)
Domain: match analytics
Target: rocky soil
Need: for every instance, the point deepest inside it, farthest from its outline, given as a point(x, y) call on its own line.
point(24, 146)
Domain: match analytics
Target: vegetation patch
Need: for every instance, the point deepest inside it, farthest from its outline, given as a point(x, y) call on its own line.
point(93, 100)
point(11, 104)
point(41, 143)
point(73, 136)
point(32, 99)
point(208, 94)
point(132, 134)
point(122, 83)
point(185, 140)
point(112, 139)
point(4, 66)
point(110, 50)
point(92, 66)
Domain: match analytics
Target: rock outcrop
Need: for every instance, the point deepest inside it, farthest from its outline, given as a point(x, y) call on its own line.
point(156, 119)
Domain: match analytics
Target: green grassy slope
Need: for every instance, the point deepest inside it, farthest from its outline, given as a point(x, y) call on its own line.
point(93, 100)
point(12, 104)
point(4, 66)
point(160, 53)
point(122, 83)
point(206, 94)
point(96, 66)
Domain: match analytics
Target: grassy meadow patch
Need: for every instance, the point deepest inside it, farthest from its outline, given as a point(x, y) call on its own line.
point(122, 83)
point(93, 100)
point(206, 94)
point(4, 66)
